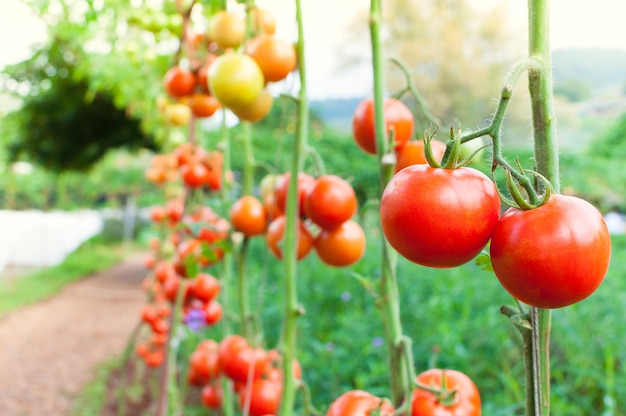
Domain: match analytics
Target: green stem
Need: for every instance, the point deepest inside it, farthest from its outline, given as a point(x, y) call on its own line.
point(243, 289)
point(547, 164)
point(389, 298)
point(292, 308)
point(248, 160)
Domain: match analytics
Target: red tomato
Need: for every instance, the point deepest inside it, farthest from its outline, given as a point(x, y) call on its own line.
point(554, 255)
point(203, 105)
point(275, 242)
point(205, 287)
point(341, 246)
point(230, 346)
point(359, 403)
point(194, 174)
point(245, 362)
point(439, 217)
point(213, 311)
point(212, 396)
point(204, 361)
point(305, 182)
point(248, 215)
point(412, 153)
point(263, 396)
point(465, 402)
point(175, 210)
point(398, 118)
point(179, 82)
point(330, 202)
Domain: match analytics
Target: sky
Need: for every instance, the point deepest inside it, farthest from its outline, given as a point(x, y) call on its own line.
point(574, 23)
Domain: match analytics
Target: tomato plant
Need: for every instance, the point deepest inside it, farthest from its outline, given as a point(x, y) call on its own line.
point(330, 201)
point(359, 403)
point(399, 121)
point(341, 246)
point(439, 217)
point(554, 255)
point(458, 397)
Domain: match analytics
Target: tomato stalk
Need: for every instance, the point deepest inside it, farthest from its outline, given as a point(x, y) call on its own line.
point(388, 301)
point(292, 308)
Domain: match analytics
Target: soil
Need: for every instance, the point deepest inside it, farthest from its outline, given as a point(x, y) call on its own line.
point(48, 351)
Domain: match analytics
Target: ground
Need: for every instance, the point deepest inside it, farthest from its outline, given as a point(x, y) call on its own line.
point(49, 350)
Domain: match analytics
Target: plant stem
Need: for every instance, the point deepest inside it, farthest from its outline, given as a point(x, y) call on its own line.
point(547, 164)
point(243, 289)
point(389, 298)
point(292, 308)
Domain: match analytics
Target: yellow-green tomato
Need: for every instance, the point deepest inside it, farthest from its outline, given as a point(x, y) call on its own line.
point(235, 80)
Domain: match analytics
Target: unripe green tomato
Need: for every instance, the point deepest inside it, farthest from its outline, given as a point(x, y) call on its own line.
point(235, 80)
point(470, 147)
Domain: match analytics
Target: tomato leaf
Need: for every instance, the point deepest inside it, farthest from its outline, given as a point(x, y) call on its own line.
point(483, 260)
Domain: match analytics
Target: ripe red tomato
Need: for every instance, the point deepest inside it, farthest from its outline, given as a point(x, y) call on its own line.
point(235, 80)
point(465, 402)
point(398, 118)
point(248, 215)
point(276, 231)
point(439, 217)
point(194, 174)
point(205, 287)
point(412, 153)
point(212, 396)
point(330, 202)
point(213, 311)
point(229, 346)
point(276, 57)
point(204, 361)
point(305, 182)
point(179, 82)
point(341, 246)
point(359, 403)
point(245, 362)
point(554, 255)
point(264, 397)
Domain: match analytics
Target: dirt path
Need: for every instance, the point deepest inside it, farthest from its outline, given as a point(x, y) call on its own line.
point(48, 351)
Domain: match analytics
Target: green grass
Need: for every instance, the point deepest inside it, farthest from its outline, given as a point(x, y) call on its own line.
point(91, 257)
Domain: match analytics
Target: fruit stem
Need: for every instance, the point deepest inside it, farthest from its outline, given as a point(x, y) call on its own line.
point(389, 299)
point(292, 308)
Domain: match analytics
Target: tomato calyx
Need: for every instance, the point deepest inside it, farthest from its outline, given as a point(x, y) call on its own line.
point(443, 395)
point(517, 200)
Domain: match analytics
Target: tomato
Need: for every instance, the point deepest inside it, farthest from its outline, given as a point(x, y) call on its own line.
point(227, 29)
point(330, 202)
point(276, 231)
point(263, 396)
point(359, 403)
point(148, 314)
point(341, 246)
point(204, 361)
point(163, 270)
point(187, 152)
point(465, 402)
point(245, 362)
point(248, 215)
point(212, 396)
point(263, 21)
point(554, 255)
point(194, 174)
point(203, 105)
point(305, 182)
point(276, 57)
point(213, 311)
point(439, 217)
point(155, 358)
point(179, 82)
point(236, 80)
point(256, 111)
point(177, 114)
point(202, 76)
point(229, 346)
point(398, 118)
point(412, 153)
point(205, 287)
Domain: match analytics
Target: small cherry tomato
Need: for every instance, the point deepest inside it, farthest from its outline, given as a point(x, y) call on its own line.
point(398, 119)
point(341, 246)
point(330, 202)
point(275, 240)
point(464, 402)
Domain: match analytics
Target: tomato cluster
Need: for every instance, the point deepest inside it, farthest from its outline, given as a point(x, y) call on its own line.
point(255, 374)
point(191, 163)
point(325, 204)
